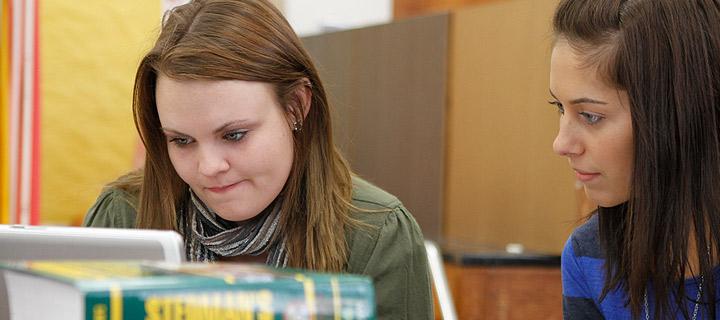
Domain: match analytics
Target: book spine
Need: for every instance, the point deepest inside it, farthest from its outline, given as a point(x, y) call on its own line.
point(332, 300)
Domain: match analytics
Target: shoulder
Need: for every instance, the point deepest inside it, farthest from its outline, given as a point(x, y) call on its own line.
point(368, 196)
point(582, 272)
point(378, 214)
point(585, 240)
point(386, 244)
point(114, 208)
point(383, 225)
point(583, 253)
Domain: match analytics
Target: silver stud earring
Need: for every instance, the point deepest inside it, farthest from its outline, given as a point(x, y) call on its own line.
point(296, 126)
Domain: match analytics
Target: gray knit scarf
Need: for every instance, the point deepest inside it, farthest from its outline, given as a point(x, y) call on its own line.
point(208, 236)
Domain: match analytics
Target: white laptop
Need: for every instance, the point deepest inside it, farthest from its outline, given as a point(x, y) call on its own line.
point(21, 242)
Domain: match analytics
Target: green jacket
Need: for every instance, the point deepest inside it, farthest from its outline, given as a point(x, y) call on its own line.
point(392, 252)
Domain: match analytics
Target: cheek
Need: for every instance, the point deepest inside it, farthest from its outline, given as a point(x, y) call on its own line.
point(617, 146)
point(629, 161)
point(628, 152)
point(282, 157)
point(266, 156)
point(181, 162)
point(622, 157)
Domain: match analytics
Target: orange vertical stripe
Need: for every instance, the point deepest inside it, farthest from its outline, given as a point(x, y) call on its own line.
point(5, 32)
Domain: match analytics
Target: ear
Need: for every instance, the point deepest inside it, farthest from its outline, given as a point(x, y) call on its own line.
point(304, 96)
point(299, 103)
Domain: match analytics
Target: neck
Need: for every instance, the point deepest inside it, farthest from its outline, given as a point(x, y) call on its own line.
point(693, 262)
point(693, 267)
point(246, 258)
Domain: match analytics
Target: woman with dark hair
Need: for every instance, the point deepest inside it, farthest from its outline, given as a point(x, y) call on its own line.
point(637, 85)
point(240, 159)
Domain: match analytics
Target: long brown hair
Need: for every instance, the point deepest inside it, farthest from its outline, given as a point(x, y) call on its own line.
point(248, 40)
point(665, 54)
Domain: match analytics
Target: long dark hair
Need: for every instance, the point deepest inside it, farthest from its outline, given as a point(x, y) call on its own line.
point(249, 40)
point(666, 55)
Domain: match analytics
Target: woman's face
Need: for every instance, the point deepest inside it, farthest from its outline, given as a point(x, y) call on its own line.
point(595, 127)
point(229, 140)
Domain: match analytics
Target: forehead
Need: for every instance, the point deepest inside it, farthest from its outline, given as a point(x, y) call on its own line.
point(571, 73)
point(188, 103)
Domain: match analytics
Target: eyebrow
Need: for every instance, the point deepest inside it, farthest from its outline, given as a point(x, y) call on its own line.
point(216, 131)
point(580, 100)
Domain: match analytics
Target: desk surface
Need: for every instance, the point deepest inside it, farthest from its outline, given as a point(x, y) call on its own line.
point(484, 256)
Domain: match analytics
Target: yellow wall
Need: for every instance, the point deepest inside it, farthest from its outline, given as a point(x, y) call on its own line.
point(89, 52)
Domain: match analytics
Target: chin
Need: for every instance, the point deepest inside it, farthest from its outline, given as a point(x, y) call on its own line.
point(235, 214)
point(609, 204)
point(605, 200)
point(236, 217)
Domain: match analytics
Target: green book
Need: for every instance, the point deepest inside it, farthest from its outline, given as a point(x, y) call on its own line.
point(133, 290)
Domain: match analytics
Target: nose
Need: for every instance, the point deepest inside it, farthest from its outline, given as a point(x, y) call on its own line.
point(212, 162)
point(568, 141)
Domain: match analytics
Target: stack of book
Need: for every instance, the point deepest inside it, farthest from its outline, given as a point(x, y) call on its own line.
point(112, 290)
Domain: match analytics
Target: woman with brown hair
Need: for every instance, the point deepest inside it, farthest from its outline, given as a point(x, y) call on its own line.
point(637, 86)
point(240, 159)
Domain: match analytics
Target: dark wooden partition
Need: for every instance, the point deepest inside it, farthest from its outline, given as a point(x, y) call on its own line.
point(388, 85)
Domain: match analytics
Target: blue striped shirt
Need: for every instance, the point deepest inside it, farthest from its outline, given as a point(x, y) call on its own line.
point(583, 277)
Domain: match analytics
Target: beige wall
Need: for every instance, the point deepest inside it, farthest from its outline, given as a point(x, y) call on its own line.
point(503, 183)
point(410, 8)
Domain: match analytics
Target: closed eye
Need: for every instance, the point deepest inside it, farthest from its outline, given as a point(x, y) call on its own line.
point(180, 141)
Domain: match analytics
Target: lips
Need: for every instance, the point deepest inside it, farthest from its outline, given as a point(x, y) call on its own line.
point(223, 188)
point(585, 176)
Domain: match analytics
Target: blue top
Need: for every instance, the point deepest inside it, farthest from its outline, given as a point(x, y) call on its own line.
point(583, 277)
